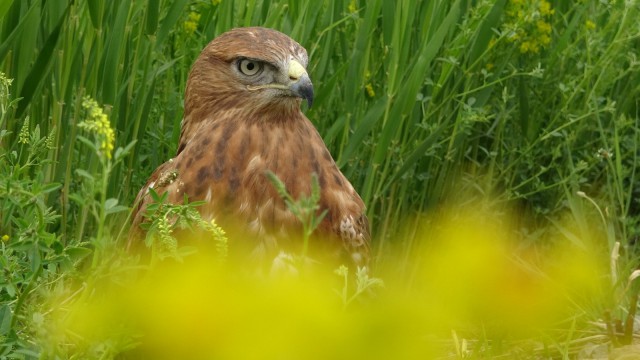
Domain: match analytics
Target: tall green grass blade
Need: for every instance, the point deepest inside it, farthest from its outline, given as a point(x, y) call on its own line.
point(169, 21)
point(96, 11)
point(41, 67)
point(366, 125)
point(485, 32)
point(25, 47)
point(4, 7)
point(113, 54)
point(152, 14)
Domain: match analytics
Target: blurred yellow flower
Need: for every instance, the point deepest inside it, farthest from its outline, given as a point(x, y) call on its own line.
point(5, 237)
point(475, 274)
point(543, 27)
point(545, 8)
point(370, 91)
point(352, 7)
point(590, 25)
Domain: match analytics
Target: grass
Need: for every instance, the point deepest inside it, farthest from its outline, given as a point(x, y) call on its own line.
point(519, 115)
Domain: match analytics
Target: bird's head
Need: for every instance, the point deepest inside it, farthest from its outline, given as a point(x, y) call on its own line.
point(249, 65)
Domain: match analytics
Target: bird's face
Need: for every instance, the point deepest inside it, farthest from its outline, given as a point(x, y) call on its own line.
point(265, 67)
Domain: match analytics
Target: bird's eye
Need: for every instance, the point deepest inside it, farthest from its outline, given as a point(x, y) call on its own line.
point(249, 67)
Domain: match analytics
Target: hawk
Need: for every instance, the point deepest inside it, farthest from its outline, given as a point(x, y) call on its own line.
point(242, 120)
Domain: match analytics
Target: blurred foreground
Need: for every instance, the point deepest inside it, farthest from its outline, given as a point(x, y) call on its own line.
point(472, 281)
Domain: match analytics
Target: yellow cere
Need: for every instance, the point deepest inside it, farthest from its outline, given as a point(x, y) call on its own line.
point(296, 70)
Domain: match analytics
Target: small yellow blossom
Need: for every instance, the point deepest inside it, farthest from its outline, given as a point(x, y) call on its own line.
point(369, 89)
point(5, 83)
point(191, 25)
point(590, 25)
point(529, 25)
point(23, 136)
point(352, 7)
point(98, 123)
point(5, 237)
point(543, 27)
point(545, 39)
point(545, 8)
point(50, 139)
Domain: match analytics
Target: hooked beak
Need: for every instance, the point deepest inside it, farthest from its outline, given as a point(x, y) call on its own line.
point(300, 84)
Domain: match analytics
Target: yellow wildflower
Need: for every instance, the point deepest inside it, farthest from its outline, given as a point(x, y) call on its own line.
point(545, 8)
point(529, 25)
point(529, 47)
point(5, 83)
point(191, 25)
point(23, 136)
point(590, 25)
point(369, 89)
point(544, 39)
point(543, 27)
point(352, 7)
point(5, 237)
point(98, 123)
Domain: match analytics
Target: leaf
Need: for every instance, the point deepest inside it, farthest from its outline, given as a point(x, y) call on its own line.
point(76, 252)
point(116, 209)
point(122, 152)
point(85, 174)
point(6, 316)
point(109, 203)
point(111, 206)
point(47, 188)
point(87, 142)
point(78, 199)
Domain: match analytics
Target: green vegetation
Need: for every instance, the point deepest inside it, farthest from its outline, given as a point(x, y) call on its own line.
point(495, 143)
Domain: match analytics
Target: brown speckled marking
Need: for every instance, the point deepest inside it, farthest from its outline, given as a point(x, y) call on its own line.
point(338, 179)
point(221, 151)
point(189, 162)
point(203, 174)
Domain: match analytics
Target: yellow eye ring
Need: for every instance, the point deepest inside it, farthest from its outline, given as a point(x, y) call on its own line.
point(250, 67)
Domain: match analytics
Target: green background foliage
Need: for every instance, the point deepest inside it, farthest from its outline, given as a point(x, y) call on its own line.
point(422, 104)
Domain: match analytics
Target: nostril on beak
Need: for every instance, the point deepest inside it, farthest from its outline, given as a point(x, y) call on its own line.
point(293, 78)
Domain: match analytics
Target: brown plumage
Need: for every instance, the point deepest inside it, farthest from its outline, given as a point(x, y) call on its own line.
point(242, 118)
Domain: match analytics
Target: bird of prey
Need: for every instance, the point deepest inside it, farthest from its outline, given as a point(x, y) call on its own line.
point(242, 120)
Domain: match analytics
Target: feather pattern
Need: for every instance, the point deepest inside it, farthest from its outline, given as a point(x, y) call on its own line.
point(232, 135)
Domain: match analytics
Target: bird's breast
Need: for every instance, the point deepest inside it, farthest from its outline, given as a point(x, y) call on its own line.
point(227, 165)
